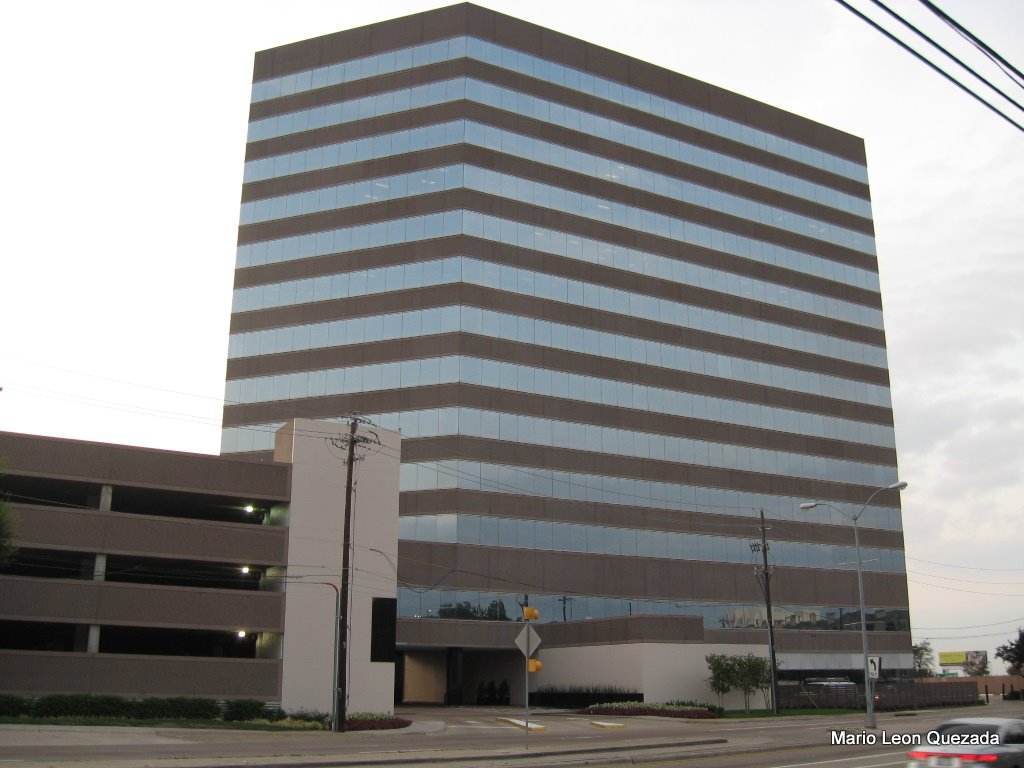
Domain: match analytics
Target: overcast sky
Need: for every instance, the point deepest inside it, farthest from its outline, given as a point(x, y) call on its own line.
point(124, 133)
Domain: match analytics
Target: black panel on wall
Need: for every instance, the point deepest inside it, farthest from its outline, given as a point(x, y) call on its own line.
point(383, 631)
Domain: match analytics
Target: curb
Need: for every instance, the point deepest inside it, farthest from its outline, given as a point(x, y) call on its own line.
point(477, 758)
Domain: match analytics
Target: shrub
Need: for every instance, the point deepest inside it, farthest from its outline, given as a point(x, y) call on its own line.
point(720, 711)
point(14, 706)
point(373, 721)
point(82, 705)
point(627, 708)
point(309, 716)
point(179, 708)
point(237, 710)
point(579, 696)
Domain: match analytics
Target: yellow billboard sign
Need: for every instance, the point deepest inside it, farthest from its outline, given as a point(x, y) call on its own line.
point(952, 658)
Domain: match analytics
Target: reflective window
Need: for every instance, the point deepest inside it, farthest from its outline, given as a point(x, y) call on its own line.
point(552, 288)
point(550, 382)
point(607, 540)
point(521, 235)
point(359, 193)
point(457, 473)
point(434, 371)
point(542, 69)
point(457, 131)
point(557, 114)
point(363, 192)
point(426, 603)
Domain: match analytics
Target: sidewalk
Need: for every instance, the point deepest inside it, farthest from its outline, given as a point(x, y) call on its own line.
point(440, 736)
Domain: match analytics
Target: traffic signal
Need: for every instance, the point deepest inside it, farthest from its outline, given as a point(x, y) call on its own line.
point(530, 613)
point(534, 666)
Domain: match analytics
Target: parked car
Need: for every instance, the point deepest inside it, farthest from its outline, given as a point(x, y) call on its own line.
point(992, 741)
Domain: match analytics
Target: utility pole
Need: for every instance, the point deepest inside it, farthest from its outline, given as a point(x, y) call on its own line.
point(763, 574)
point(341, 682)
point(564, 600)
point(341, 692)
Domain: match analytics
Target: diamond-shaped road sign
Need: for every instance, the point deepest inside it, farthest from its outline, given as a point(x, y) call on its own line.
point(528, 634)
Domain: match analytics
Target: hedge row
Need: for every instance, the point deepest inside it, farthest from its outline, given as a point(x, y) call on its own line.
point(686, 709)
point(181, 708)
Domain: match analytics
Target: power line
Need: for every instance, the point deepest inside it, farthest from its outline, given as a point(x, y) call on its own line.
point(965, 567)
point(956, 589)
point(930, 64)
point(973, 626)
point(976, 41)
point(969, 581)
point(966, 637)
point(934, 44)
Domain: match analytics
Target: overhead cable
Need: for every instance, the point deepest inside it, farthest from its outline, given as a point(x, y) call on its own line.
point(942, 50)
point(976, 41)
point(931, 64)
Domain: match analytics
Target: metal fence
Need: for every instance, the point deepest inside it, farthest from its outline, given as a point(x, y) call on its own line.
point(902, 695)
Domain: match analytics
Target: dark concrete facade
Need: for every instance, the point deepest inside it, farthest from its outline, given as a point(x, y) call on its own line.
point(127, 577)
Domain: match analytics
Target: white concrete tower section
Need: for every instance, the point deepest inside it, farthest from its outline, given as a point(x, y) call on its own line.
point(317, 451)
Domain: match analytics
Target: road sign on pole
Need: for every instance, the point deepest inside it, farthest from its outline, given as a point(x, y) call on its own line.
point(874, 667)
point(527, 640)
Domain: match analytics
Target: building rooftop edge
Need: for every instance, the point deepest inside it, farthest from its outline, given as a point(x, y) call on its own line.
point(74, 459)
point(529, 37)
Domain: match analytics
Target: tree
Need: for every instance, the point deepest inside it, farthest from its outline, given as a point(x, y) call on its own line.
point(976, 664)
point(723, 674)
point(924, 659)
point(753, 673)
point(747, 673)
point(1013, 654)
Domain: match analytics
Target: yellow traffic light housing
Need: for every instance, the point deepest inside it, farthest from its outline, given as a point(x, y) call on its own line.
point(534, 666)
point(530, 613)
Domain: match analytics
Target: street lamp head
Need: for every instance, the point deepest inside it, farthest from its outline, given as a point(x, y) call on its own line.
point(897, 486)
point(809, 505)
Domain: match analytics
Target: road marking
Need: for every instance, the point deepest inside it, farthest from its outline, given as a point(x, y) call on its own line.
point(521, 724)
point(846, 759)
point(604, 724)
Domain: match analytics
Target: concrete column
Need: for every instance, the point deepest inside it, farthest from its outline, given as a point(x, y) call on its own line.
point(106, 497)
point(94, 639)
point(99, 573)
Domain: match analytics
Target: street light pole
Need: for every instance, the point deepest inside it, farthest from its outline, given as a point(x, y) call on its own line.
point(869, 712)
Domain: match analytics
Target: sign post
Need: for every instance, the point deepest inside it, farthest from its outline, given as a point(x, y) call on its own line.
point(527, 642)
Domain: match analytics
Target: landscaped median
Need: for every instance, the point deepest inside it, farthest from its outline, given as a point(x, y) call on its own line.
point(178, 712)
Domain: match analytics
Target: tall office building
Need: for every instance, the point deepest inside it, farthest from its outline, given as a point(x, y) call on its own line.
point(614, 312)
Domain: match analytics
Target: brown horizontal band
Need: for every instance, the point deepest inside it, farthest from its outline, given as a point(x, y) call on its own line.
point(488, 73)
point(463, 294)
point(497, 569)
point(490, 250)
point(463, 501)
point(554, 46)
point(527, 126)
point(570, 269)
point(502, 207)
point(531, 457)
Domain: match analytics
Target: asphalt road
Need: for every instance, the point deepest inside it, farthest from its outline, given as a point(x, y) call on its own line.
point(473, 736)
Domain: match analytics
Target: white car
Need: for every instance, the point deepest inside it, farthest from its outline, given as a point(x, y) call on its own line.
point(989, 741)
